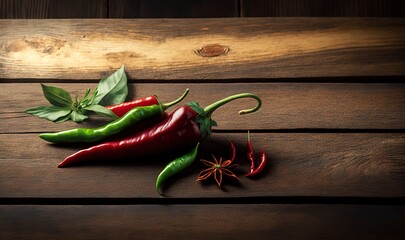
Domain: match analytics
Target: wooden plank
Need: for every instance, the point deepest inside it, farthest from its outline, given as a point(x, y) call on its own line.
point(322, 8)
point(53, 9)
point(168, 49)
point(203, 222)
point(173, 9)
point(285, 105)
point(331, 165)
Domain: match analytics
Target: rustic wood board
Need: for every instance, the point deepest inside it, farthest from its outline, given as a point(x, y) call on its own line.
point(53, 9)
point(286, 106)
point(257, 48)
point(239, 221)
point(344, 165)
point(199, 9)
point(322, 8)
point(174, 8)
point(332, 125)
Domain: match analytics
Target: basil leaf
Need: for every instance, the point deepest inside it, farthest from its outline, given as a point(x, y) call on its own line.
point(113, 89)
point(57, 96)
point(51, 113)
point(88, 100)
point(103, 111)
point(63, 119)
point(86, 94)
point(77, 117)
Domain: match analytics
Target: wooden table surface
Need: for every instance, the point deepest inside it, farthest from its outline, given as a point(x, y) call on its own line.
point(332, 124)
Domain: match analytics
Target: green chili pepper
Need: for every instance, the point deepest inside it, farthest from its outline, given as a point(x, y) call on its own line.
point(176, 166)
point(132, 117)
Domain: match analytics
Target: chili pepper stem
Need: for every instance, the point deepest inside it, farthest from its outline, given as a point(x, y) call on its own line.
point(204, 115)
point(167, 105)
point(212, 107)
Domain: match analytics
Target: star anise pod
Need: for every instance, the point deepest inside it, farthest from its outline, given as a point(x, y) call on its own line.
point(217, 168)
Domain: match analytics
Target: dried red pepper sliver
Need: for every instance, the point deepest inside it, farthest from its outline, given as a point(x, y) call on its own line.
point(261, 167)
point(186, 126)
point(232, 151)
point(250, 153)
point(251, 157)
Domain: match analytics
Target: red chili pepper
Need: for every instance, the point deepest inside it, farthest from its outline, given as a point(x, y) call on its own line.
point(186, 126)
point(251, 157)
point(232, 150)
point(250, 154)
point(122, 108)
point(261, 167)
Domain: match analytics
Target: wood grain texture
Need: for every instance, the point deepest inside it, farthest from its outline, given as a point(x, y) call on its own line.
point(164, 49)
point(322, 8)
point(173, 9)
point(16, 9)
point(203, 222)
point(285, 106)
point(330, 165)
point(331, 144)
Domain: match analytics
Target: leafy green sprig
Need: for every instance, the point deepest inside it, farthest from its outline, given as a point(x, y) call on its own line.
point(111, 90)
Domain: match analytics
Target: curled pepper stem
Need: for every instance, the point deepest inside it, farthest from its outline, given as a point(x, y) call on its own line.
point(167, 105)
point(212, 107)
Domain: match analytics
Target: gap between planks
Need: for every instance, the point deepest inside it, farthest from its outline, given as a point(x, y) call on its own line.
point(321, 80)
point(292, 131)
point(207, 200)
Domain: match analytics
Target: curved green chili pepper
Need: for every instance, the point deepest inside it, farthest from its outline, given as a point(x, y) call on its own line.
point(132, 117)
point(176, 166)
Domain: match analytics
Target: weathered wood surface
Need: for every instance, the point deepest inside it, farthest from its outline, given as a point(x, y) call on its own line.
point(322, 8)
point(199, 8)
point(173, 9)
point(285, 105)
point(203, 222)
point(332, 124)
point(53, 9)
point(165, 49)
point(343, 165)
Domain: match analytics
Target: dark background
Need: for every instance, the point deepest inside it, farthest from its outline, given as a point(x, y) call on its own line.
point(199, 8)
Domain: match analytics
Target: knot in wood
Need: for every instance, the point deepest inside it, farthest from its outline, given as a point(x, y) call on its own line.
point(212, 50)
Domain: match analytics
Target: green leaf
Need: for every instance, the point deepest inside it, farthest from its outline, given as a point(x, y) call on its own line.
point(196, 107)
point(63, 119)
point(57, 96)
point(77, 117)
point(88, 100)
point(113, 89)
point(93, 96)
point(205, 121)
point(86, 93)
point(85, 99)
point(51, 113)
point(103, 111)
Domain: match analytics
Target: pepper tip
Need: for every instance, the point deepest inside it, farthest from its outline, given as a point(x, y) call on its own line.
point(62, 164)
point(43, 136)
point(160, 192)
